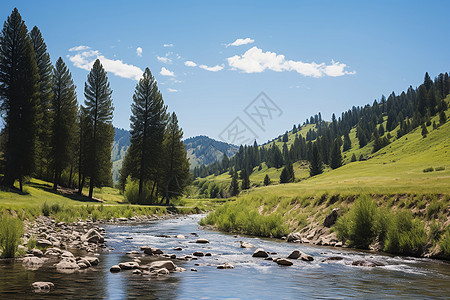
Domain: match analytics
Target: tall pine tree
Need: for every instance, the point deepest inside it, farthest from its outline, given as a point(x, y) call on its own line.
point(148, 122)
point(176, 165)
point(19, 99)
point(45, 97)
point(316, 166)
point(64, 108)
point(99, 113)
point(335, 156)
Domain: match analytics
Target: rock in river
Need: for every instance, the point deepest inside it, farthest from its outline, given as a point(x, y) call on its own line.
point(246, 245)
point(260, 253)
point(225, 266)
point(151, 250)
point(115, 268)
point(202, 241)
point(40, 286)
point(283, 261)
point(169, 265)
point(92, 236)
point(128, 265)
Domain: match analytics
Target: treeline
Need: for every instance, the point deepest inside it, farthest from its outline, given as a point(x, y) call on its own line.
point(48, 135)
point(322, 145)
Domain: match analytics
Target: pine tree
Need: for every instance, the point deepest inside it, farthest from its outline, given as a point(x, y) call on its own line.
point(284, 176)
point(99, 113)
point(424, 130)
point(234, 186)
point(45, 97)
point(148, 122)
point(19, 99)
point(442, 118)
point(315, 167)
point(353, 159)
point(64, 109)
point(335, 156)
point(245, 179)
point(381, 130)
point(266, 180)
point(176, 173)
point(347, 143)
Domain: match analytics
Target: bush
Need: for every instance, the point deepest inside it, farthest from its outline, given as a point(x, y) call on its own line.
point(444, 242)
point(131, 192)
point(439, 169)
point(433, 209)
point(430, 169)
point(11, 230)
point(359, 226)
point(405, 235)
point(31, 244)
point(46, 209)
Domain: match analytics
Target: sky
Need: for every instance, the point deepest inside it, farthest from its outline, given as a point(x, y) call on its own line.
point(238, 71)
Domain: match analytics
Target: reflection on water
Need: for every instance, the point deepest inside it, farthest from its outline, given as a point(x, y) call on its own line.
point(252, 278)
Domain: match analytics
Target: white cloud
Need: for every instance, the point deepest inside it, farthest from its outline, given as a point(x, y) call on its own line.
point(139, 51)
point(189, 63)
point(85, 60)
point(240, 42)
point(172, 90)
point(79, 48)
point(168, 45)
point(166, 72)
point(255, 60)
point(212, 69)
point(163, 59)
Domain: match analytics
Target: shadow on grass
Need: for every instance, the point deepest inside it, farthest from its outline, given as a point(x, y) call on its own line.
point(14, 190)
point(71, 194)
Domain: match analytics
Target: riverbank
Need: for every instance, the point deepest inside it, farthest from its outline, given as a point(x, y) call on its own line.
point(314, 219)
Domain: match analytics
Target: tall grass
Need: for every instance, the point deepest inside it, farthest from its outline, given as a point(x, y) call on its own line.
point(11, 230)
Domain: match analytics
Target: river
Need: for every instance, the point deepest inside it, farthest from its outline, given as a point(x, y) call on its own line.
point(252, 278)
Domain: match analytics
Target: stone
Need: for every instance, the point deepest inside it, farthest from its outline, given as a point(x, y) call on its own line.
point(198, 253)
point(366, 263)
point(180, 236)
point(208, 254)
point(152, 251)
point(115, 269)
point(294, 237)
point(169, 265)
point(306, 257)
point(295, 254)
point(32, 261)
point(193, 270)
point(53, 252)
point(331, 218)
point(122, 219)
point(202, 241)
point(332, 258)
point(82, 265)
point(283, 262)
point(67, 264)
point(246, 245)
point(260, 253)
point(92, 236)
point(338, 244)
point(66, 254)
point(43, 243)
point(39, 286)
point(177, 249)
point(162, 271)
point(137, 272)
point(225, 266)
point(128, 265)
point(37, 252)
point(92, 260)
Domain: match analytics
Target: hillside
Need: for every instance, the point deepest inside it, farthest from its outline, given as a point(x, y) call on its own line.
point(203, 150)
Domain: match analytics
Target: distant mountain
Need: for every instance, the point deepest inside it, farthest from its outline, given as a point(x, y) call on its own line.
point(200, 150)
point(119, 149)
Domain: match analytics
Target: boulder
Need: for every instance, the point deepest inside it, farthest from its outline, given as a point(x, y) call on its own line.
point(92, 236)
point(332, 258)
point(225, 266)
point(294, 237)
point(37, 252)
point(152, 251)
point(39, 286)
point(193, 270)
point(366, 263)
point(137, 272)
point(32, 261)
point(115, 269)
point(198, 253)
point(306, 257)
point(246, 245)
point(83, 265)
point(43, 243)
point(295, 254)
point(331, 218)
point(128, 265)
point(177, 249)
point(67, 264)
point(162, 271)
point(260, 253)
point(180, 236)
point(122, 219)
point(283, 261)
point(53, 252)
point(202, 241)
point(169, 265)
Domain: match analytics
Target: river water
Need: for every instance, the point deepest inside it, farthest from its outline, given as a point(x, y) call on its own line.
point(252, 278)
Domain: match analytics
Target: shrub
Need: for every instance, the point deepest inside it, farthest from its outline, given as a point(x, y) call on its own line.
point(405, 235)
point(31, 244)
point(132, 191)
point(46, 209)
point(433, 209)
point(430, 169)
point(439, 169)
point(359, 226)
point(11, 229)
point(445, 241)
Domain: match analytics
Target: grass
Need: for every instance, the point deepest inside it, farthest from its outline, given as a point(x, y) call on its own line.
point(11, 230)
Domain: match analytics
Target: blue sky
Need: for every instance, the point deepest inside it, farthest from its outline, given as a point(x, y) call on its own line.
point(306, 56)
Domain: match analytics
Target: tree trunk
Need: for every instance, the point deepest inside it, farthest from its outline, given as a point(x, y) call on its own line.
point(21, 183)
point(141, 183)
point(55, 180)
point(153, 189)
point(80, 187)
point(70, 176)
